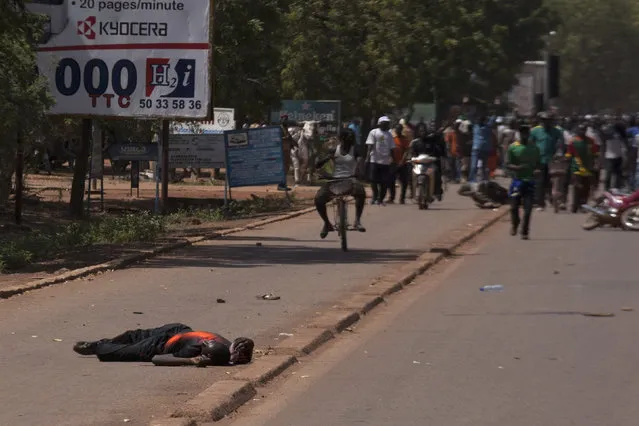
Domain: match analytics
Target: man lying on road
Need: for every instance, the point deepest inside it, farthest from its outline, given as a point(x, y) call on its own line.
point(170, 345)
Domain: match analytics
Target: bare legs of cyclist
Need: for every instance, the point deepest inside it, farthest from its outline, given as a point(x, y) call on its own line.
point(324, 196)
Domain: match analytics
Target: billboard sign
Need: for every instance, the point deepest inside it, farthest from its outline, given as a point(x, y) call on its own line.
point(133, 152)
point(223, 120)
point(126, 58)
point(327, 113)
point(202, 151)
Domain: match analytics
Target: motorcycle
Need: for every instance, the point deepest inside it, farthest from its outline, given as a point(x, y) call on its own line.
point(424, 175)
point(613, 208)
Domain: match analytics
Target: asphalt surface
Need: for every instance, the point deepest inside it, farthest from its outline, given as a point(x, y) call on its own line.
point(444, 353)
point(43, 381)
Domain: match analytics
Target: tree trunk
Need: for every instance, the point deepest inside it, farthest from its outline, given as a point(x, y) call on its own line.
point(80, 171)
point(6, 174)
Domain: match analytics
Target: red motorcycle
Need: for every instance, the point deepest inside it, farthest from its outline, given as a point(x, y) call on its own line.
point(614, 208)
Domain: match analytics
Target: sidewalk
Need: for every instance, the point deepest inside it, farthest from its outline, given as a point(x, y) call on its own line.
point(44, 381)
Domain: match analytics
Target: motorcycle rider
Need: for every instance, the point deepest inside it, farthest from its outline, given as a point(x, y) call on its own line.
point(431, 142)
point(345, 159)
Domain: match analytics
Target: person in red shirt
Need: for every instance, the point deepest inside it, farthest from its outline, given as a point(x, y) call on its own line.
point(170, 345)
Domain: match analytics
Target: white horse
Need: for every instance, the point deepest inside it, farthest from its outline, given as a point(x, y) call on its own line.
point(306, 137)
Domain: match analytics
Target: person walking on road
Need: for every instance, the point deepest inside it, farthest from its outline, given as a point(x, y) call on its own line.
point(523, 160)
point(170, 345)
point(548, 139)
point(380, 145)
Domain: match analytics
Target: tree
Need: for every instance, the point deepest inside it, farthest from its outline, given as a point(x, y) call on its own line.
point(248, 37)
point(598, 41)
point(23, 94)
point(376, 55)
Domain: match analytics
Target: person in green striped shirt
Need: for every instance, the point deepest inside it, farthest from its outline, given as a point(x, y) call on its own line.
point(548, 139)
point(524, 163)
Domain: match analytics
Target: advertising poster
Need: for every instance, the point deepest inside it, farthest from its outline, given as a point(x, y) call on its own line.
point(327, 113)
point(254, 157)
point(202, 151)
point(126, 58)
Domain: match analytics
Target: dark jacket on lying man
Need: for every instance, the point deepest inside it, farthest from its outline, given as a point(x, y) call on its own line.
point(487, 194)
point(170, 345)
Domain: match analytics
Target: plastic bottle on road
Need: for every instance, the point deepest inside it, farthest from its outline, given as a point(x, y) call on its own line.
point(492, 288)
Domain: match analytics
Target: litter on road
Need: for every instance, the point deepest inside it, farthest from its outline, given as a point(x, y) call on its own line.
point(269, 296)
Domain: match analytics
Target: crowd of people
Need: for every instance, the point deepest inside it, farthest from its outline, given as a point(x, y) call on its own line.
point(473, 151)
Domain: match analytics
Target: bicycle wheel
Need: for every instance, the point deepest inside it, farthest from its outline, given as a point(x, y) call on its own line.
point(343, 223)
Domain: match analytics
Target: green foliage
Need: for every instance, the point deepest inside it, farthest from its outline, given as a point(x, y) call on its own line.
point(23, 94)
point(380, 54)
point(248, 35)
point(131, 228)
point(234, 210)
point(110, 230)
point(598, 41)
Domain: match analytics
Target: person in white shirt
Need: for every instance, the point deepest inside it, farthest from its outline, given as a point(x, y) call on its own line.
point(380, 145)
point(344, 167)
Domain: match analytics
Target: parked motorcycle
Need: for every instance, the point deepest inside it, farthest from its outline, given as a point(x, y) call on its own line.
point(424, 176)
point(613, 208)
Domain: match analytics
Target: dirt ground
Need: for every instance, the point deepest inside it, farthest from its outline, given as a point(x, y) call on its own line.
point(46, 206)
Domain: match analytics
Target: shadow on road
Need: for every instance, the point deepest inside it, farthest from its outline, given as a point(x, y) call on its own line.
point(251, 256)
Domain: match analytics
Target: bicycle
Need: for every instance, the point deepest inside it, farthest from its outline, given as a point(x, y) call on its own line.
point(341, 189)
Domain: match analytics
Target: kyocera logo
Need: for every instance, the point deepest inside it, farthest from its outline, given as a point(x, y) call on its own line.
point(85, 28)
point(88, 28)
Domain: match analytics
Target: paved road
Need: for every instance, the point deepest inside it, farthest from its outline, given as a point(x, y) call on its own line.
point(44, 381)
point(446, 354)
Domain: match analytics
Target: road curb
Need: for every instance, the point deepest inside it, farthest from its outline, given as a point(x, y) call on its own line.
point(128, 260)
point(323, 328)
point(265, 369)
point(173, 422)
point(361, 303)
point(336, 321)
point(217, 401)
point(303, 342)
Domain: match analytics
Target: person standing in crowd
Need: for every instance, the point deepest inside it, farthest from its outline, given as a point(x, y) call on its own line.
point(507, 136)
point(481, 148)
point(548, 139)
point(287, 145)
point(380, 146)
point(594, 133)
point(615, 147)
point(454, 160)
point(400, 169)
point(523, 160)
point(357, 129)
point(633, 160)
point(582, 152)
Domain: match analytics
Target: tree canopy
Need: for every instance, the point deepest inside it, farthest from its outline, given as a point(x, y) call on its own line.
point(598, 41)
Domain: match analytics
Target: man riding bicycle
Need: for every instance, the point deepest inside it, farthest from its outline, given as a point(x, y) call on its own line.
point(345, 163)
